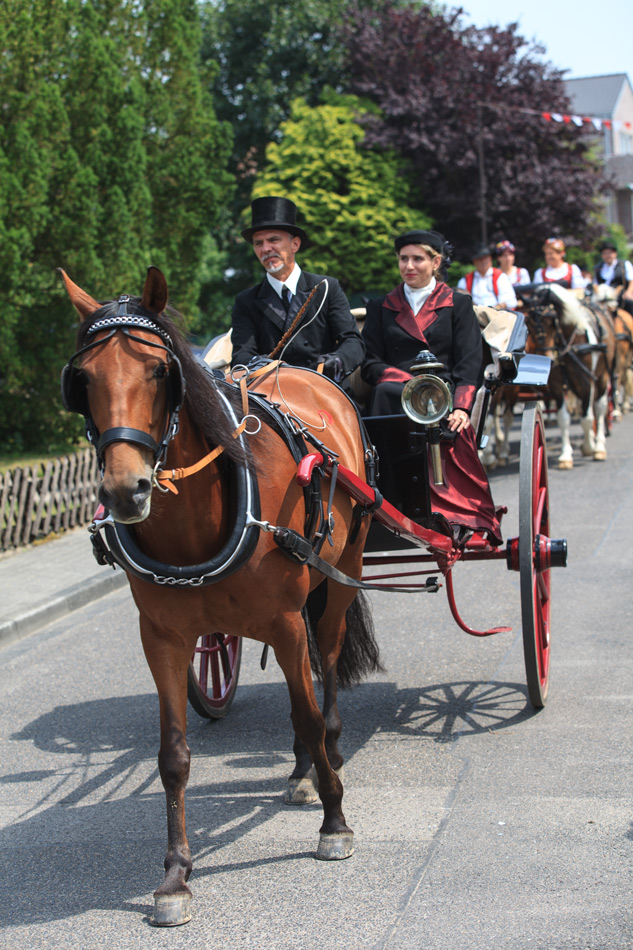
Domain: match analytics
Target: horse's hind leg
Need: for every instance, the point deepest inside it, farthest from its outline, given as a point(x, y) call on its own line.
point(326, 610)
point(336, 839)
point(168, 662)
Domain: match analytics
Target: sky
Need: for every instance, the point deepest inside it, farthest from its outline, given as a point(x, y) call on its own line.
point(575, 35)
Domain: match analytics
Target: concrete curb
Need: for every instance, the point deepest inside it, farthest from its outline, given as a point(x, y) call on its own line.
point(60, 606)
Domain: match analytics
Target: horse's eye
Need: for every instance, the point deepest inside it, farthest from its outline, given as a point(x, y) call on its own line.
point(161, 371)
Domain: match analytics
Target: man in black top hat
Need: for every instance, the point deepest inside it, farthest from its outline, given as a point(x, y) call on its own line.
point(327, 331)
point(615, 273)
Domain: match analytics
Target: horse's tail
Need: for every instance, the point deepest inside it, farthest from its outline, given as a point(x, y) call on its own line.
point(359, 654)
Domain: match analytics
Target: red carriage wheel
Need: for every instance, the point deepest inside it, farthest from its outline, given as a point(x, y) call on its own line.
point(534, 577)
point(213, 674)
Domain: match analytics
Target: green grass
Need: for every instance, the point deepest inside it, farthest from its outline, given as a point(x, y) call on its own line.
point(10, 460)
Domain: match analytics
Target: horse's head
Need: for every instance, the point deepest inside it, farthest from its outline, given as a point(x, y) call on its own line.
point(127, 382)
point(541, 318)
point(554, 316)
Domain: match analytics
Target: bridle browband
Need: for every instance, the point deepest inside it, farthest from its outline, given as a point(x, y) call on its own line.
point(74, 396)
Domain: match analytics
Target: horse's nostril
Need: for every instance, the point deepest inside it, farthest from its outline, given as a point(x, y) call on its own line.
point(143, 487)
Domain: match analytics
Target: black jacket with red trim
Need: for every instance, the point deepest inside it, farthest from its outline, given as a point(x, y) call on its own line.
point(446, 325)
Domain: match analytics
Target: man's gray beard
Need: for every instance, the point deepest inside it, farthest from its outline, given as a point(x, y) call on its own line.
point(273, 268)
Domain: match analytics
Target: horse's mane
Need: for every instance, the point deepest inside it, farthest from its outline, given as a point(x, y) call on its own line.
point(605, 292)
point(202, 403)
point(570, 309)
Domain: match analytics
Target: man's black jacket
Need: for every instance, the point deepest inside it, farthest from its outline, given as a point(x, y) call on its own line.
point(258, 320)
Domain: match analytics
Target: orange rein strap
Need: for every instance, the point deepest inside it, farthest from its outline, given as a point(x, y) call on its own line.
point(167, 478)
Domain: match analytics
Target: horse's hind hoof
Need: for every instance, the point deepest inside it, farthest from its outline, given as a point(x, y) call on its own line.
point(335, 847)
point(301, 791)
point(565, 464)
point(171, 910)
point(599, 456)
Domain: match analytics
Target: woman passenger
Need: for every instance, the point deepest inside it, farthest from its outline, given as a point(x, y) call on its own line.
point(556, 267)
point(424, 313)
point(505, 251)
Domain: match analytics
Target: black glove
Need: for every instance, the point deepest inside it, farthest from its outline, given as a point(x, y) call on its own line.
point(332, 367)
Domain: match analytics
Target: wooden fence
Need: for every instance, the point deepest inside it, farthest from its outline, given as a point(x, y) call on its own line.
point(50, 498)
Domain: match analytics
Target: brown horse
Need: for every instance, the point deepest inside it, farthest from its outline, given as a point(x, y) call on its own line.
point(582, 346)
point(212, 522)
point(608, 297)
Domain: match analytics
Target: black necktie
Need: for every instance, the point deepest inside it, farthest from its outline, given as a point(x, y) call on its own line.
point(285, 298)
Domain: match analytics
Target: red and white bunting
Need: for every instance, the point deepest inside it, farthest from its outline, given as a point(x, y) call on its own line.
point(582, 120)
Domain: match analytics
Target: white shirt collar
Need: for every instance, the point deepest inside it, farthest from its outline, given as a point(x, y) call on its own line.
point(417, 297)
point(290, 282)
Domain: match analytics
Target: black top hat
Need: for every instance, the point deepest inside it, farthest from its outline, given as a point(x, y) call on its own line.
point(482, 250)
point(608, 245)
point(272, 213)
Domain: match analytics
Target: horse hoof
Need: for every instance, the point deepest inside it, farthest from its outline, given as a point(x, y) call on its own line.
point(301, 791)
point(171, 910)
point(565, 464)
point(335, 847)
point(599, 456)
point(502, 462)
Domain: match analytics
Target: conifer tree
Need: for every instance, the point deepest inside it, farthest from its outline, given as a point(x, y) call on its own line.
point(111, 158)
point(353, 200)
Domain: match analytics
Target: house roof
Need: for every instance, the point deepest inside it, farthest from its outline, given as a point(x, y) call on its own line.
point(595, 95)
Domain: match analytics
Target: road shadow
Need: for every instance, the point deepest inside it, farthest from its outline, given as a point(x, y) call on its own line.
point(95, 834)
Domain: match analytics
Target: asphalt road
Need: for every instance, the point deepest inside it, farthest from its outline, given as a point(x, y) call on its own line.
point(479, 823)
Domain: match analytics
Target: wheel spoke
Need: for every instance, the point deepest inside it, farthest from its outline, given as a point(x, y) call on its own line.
point(212, 682)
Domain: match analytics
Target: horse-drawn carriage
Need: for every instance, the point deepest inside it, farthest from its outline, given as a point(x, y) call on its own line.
point(242, 507)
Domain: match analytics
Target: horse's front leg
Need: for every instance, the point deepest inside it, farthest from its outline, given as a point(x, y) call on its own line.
point(566, 457)
point(168, 663)
point(587, 424)
point(601, 407)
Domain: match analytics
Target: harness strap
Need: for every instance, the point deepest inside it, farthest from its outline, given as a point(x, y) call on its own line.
point(167, 478)
point(299, 549)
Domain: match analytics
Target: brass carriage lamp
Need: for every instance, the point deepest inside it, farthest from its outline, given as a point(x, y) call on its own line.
point(427, 400)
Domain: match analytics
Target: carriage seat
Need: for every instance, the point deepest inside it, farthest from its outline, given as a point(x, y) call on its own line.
point(505, 333)
point(218, 352)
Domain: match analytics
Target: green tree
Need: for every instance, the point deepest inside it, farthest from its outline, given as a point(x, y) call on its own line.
point(111, 158)
point(265, 59)
point(354, 200)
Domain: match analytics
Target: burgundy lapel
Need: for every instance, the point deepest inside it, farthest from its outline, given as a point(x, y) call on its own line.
point(415, 326)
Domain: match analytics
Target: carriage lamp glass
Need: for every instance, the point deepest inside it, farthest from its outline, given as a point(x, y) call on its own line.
point(426, 399)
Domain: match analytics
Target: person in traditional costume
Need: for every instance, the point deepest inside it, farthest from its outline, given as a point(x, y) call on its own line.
point(556, 267)
point(424, 313)
point(615, 273)
point(326, 334)
point(488, 285)
point(505, 252)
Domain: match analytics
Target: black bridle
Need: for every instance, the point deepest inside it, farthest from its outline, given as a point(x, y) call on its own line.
point(545, 310)
point(75, 396)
